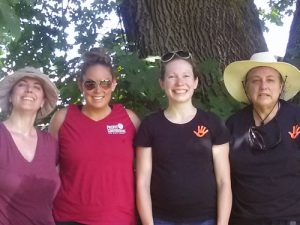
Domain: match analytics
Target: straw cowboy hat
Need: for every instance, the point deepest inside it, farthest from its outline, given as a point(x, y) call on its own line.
point(234, 75)
point(50, 90)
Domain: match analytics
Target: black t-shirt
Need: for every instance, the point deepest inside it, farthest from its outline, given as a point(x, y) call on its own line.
point(183, 185)
point(266, 184)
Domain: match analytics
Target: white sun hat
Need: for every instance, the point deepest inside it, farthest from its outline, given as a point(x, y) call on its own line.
point(50, 90)
point(234, 75)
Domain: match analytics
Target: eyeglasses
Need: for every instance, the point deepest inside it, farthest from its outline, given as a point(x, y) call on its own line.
point(261, 140)
point(170, 55)
point(91, 84)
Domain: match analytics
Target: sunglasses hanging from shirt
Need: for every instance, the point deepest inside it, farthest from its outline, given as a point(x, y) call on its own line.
point(265, 137)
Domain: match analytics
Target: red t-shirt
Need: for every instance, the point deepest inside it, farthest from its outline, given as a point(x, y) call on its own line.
point(96, 169)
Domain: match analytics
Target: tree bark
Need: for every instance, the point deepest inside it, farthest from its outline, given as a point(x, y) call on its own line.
point(292, 54)
point(226, 30)
point(216, 32)
point(293, 47)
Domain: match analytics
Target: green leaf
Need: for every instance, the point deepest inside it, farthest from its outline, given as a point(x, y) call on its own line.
point(9, 21)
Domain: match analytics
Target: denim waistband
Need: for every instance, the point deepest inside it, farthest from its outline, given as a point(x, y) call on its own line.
point(286, 222)
point(265, 222)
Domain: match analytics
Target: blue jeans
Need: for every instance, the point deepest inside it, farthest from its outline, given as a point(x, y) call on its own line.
point(158, 221)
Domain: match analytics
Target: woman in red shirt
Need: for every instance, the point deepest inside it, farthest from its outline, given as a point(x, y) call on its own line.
point(96, 152)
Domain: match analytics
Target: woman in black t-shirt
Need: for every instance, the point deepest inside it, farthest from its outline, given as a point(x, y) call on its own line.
point(265, 143)
point(182, 155)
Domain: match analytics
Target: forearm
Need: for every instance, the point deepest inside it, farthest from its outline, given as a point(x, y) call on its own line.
point(222, 173)
point(224, 203)
point(143, 180)
point(144, 206)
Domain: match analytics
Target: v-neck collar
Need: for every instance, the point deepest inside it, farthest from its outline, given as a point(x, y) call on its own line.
point(16, 149)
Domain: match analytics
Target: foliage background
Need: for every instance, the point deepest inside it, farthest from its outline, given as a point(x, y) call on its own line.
point(53, 34)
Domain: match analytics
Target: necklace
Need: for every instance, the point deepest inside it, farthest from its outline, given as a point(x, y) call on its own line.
point(262, 122)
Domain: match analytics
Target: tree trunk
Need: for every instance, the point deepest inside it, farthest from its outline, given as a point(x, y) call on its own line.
point(226, 30)
point(216, 32)
point(293, 47)
point(292, 54)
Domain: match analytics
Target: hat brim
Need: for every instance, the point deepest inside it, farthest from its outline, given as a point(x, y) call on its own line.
point(234, 75)
point(50, 91)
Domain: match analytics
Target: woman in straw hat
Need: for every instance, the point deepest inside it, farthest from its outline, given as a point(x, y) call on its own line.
point(96, 151)
point(183, 172)
point(28, 176)
point(265, 143)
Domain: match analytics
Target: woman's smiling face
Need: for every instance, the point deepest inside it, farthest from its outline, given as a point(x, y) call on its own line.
point(179, 81)
point(99, 96)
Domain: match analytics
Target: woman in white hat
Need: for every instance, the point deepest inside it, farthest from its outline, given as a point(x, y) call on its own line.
point(28, 176)
point(265, 143)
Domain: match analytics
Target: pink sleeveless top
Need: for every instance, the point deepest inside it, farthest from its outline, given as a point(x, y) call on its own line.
point(96, 169)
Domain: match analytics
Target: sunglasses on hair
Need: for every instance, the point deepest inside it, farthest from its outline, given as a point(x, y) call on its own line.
point(91, 84)
point(170, 55)
point(262, 141)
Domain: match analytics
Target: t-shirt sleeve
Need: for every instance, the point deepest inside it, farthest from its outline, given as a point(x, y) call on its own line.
point(220, 133)
point(229, 123)
point(143, 137)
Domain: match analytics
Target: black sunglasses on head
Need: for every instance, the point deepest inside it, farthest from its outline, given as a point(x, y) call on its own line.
point(170, 55)
point(91, 84)
point(260, 140)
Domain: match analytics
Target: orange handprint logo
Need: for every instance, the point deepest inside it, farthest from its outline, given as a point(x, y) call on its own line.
point(296, 132)
point(202, 130)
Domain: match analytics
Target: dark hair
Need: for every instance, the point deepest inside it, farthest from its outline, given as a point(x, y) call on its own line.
point(189, 60)
point(95, 56)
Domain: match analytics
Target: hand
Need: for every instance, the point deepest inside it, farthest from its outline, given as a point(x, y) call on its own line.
point(295, 133)
point(202, 130)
